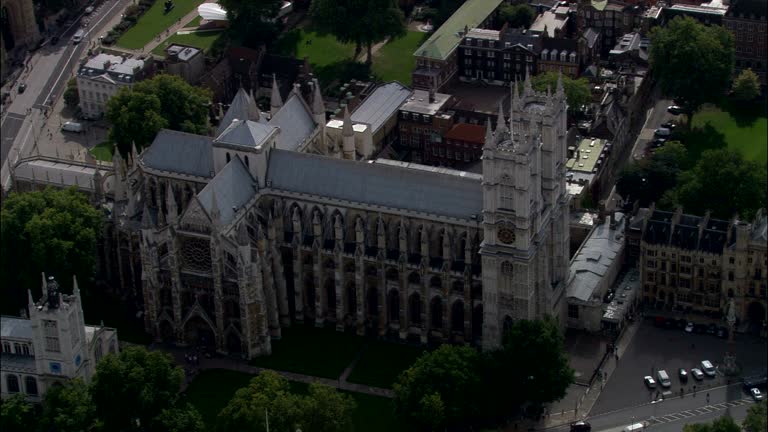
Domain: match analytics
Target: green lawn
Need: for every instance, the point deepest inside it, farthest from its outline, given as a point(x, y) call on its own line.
point(153, 22)
point(382, 362)
point(102, 152)
point(195, 22)
point(743, 128)
point(312, 351)
point(395, 60)
point(322, 50)
point(203, 40)
point(212, 390)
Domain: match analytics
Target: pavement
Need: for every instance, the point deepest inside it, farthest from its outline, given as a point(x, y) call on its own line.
point(655, 117)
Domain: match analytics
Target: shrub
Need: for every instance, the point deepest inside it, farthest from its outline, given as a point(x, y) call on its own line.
point(132, 11)
point(71, 96)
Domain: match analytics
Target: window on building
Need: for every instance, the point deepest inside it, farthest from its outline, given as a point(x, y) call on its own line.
point(731, 260)
point(25, 350)
point(563, 56)
point(506, 56)
point(573, 311)
point(6, 347)
point(12, 382)
point(51, 331)
point(491, 54)
point(468, 51)
point(31, 384)
point(17, 348)
point(730, 276)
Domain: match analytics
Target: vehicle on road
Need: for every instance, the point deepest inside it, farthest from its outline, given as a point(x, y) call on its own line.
point(756, 395)
point(675, 109)
point(662, 132)
point(680, 323)
point(712, 329)
point(708, 368)
point(72, 127)
point(581, 426)
point(669, 125)
point(88, 10)
point(649, 381)
point(689, 327)
point(78, 37)
point(636, 427)
point(683, 374)
point(697, 374)
point(22, 87)
point(664, 379)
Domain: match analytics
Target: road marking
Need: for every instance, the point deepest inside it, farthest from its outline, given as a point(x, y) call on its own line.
point(667, 419)
point(687, 414)
point(74, 50)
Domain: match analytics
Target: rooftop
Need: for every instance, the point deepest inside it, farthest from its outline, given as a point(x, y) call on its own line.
point(246, 133)
point(551, 21)
point(15, 328)
point(180, 152)
point(588, 152)
point(477, 33)
point(380, 105)
point(594, 258)
point(698, 9)
point(114, 67)
point(59, 172)
point(444, 40)
point(182, 52)
point(467, 132)
point(419, 102)
point(632, 42)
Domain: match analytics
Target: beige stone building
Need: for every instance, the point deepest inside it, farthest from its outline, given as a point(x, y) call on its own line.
point(694, 263)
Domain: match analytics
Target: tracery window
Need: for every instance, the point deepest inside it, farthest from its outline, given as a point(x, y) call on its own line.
point(51, 330)
point(196, 254)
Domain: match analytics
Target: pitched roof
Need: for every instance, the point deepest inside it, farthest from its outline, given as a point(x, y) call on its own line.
point(245, 133)
point(233, 187)
point(180, 152)
point(295, 122)
point(445, 39)
point(413, 187)
point(238, 109)
point(595, 258)
point(467, 132)
point(381, 104)
point(16, 328)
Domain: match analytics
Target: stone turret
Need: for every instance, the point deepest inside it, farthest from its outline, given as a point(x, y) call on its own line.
point(275, 101)
point(318, 106)
point(348, 136)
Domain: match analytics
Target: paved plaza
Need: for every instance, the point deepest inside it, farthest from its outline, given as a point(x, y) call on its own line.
point(656, 348)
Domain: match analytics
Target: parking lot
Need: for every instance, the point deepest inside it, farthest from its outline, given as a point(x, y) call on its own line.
point(655, 348)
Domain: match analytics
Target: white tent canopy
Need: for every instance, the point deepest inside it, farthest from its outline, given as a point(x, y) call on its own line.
point(212, 12)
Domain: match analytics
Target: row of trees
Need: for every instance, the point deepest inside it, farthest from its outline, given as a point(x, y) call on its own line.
point(460, 387)
point(137, 390)
point(721, 181)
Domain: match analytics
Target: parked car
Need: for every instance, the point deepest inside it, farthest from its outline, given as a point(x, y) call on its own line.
point(581, 426)
point(649, 381)
point(675, 109)
point(659, 142)
point(669, 125)
point(708, 368)
point(22, 87)
point(683, 374)
point(662, 132)
point(88, 10)
point(72, 127)
point(756, 395)
point(689, 327)
point(659, 321)
point(680, 323)
point(78, 37)
point(712, 329)
point(697, 374)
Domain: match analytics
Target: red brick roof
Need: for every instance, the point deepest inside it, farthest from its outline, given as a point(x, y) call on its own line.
point(467, 132)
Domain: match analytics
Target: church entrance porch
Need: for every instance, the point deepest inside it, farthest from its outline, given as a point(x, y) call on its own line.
point(198, 332)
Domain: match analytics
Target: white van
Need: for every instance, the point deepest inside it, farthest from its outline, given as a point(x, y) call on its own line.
point(78, 37)
point(664, 379)
point(708, 368)
point(72, 127)
point(636, 427)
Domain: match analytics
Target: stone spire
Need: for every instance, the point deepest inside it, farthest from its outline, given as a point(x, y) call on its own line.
point(318, 107)
point(253, 109)
point(146, 222)
point(215, 214)
point(134, 153)
point(501, 123)
point(348, 136)
point(275, 101)
point(170, 203)
point(242, 235)
point(527, 87)
point(488, 132)
point(559, 91)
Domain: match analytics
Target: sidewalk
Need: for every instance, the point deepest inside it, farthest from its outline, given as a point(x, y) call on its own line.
point(242, 366)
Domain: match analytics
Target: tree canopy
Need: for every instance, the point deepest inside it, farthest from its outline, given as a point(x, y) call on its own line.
point(577, 91)
point(68, 407)
point(647, 180)
point(53, 231)
point(681, 50)
point(362, 22)
point(166, 101)
point(16, 414)
point(746, 86)
point(442, 388)
point(323, 410)
point(722, 424)
point(517, 16)
point(757, 418)
point(252, 21)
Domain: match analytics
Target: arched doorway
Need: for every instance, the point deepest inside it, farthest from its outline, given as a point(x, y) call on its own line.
point(393, 306)
point(436, 313)
point(457, 316)
point(166, 332)
point(198, 332)
point(414, 309)
point(234, 345)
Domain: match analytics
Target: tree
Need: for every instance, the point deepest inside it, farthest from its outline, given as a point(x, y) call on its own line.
point(71, 95)
point(185, 419)
point(53, 231)
point(518, 16)
point(16, 414)
point(326, 410)
point(450, 373)
point(746, 86)
point(165, 101)
point(648, 180)
point(136, 385)
point(682, 49)
point(722, 424)
point(253, 22)
point(577, 91)
point(362, 22)
point(725, 183)
point(68, 408)
point(756, 418)
point(532, 361)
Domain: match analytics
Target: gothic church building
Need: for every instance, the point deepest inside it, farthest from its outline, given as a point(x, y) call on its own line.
point(268, 224)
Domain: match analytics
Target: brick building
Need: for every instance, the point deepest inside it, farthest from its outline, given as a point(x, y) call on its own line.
point(462, 144)
point(423, 122)
point(746, 19)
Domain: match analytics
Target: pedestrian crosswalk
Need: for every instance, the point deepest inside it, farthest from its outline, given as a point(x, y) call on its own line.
point(682, 415)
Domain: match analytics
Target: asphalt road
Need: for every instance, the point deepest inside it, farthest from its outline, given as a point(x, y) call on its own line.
point(10, 128)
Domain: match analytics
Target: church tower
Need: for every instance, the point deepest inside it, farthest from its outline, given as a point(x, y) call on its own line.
point(525, 212)
point(58, 334)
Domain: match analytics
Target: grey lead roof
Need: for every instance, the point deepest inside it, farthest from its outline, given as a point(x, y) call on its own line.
point(245, 133)
point(180, 152)
point(387, 185)
point(16, 328)
point(295, 123)
point(233, 186)
point(238, 109)
point(381, 104)
point(594, 258)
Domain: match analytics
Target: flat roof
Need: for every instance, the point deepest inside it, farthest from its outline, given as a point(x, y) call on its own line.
point(476, 33)
point(550, 21)
point(588, 152)
point(380, 105)
point(699, 9)
point(419, 102)
point(445, 39)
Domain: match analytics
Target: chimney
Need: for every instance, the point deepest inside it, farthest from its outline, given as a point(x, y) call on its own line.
point(432, 95)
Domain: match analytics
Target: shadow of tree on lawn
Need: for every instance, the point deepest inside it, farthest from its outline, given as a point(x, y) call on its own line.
point(745, 114)
point(700, 139)
point(341, 72)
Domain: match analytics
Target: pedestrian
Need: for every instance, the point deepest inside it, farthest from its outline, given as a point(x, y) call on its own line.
point(707, 397)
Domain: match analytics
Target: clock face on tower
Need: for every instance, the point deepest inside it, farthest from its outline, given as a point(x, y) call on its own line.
point(506, 234)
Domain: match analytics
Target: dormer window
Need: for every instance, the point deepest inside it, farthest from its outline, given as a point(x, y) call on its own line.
point(573, 57)
point(544, 54)
point(553, 55)
point(563, 56)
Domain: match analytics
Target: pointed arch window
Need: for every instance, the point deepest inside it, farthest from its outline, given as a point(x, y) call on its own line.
point(506, 193)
